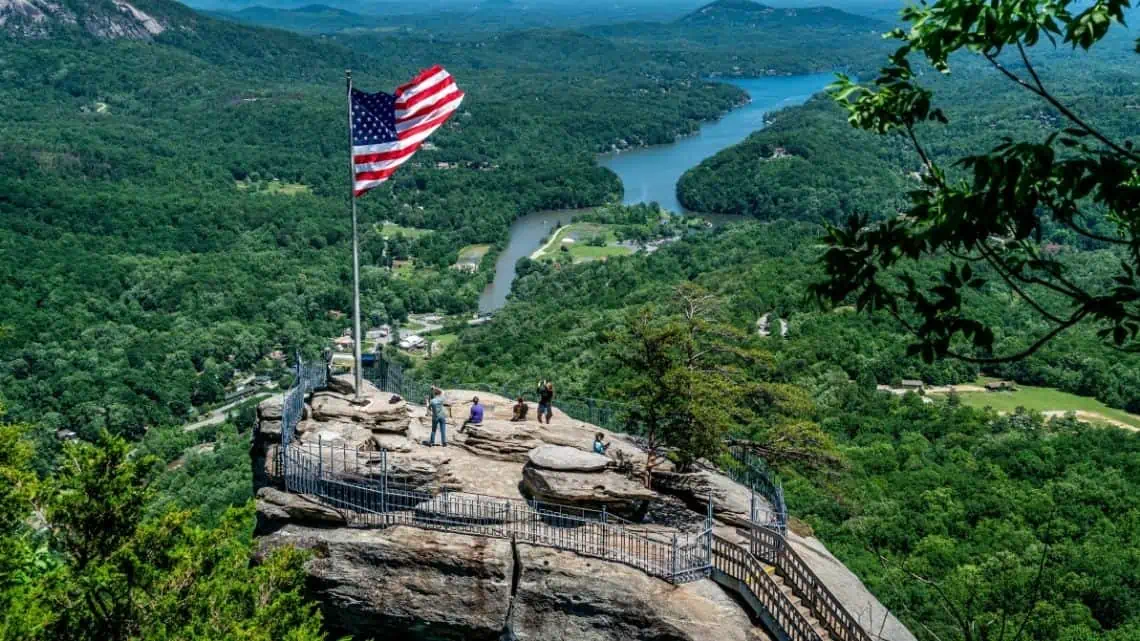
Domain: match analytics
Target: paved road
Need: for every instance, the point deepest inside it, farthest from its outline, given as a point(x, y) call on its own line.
point(218, 415)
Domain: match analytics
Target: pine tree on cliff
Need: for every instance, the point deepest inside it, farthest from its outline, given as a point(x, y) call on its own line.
point(694, 380)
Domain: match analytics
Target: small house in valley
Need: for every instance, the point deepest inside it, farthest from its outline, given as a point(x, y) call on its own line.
point(1001, 386)
point(913, 385)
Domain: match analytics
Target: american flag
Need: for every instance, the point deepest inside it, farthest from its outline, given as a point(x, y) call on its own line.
point(387, 129)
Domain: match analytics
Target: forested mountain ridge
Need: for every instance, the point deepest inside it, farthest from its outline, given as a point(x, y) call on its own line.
point(808, 164)
point(754, 14)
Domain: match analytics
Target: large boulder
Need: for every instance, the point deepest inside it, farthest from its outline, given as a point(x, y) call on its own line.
point(503, 440)
point(562, 595)
point(335, 433)
point(345, 384)
point(276, 508)
point(732, 502)
point(566, 459)
point(271, 407)
point(376, 413)
point(587, 489)
point(379, 584)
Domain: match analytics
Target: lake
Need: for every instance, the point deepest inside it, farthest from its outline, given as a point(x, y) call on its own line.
point(651, 173)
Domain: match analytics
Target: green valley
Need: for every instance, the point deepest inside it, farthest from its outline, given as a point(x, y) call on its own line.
point(175, 240)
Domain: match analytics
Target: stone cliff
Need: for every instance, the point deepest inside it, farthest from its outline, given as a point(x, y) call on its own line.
point(401, 582)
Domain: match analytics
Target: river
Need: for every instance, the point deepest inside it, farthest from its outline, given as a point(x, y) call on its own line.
point(650, 174)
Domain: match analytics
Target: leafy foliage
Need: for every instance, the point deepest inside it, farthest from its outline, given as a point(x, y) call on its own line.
point(1078, 175)
point(106, 572)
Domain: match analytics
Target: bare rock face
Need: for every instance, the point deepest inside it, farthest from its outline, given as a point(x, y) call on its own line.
point(275, 508)
point(270, 408)
point(336, 433)
point(377, 414)
point(381, 583)
point(565, 596)
point(561, 458)
point(586, 489)
point(503, 440)
point(732, 502)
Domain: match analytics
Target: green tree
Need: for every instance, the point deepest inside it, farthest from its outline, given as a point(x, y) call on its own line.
point(113, 574)
point(683, 370)
point(988, 212)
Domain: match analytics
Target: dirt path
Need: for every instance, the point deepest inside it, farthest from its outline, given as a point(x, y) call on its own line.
point(1091, 416)
point(553, 237)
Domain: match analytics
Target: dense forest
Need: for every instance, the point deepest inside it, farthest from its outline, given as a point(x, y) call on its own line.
point(174, 210)
point(940, 491)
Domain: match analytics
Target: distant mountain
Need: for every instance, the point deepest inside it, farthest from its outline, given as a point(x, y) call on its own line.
point(311, 19)
point(105, 19)
point(324, 9)
point(747, 12)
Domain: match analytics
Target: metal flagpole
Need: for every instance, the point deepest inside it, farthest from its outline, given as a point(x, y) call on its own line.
point(356, 364)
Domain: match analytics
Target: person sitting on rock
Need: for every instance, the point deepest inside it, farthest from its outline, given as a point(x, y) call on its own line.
point(476, 417)
point(438, 417)
point(545, 400)
point(519, 411)
point(600, 446)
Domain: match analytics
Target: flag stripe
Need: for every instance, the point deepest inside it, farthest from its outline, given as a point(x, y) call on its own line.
point(424, 78)
point(397, 159)
point(426, 99)
point(389, 129)
point(444, 109)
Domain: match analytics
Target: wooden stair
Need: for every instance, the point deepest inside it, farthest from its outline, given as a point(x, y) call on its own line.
point(742, 540)
point(798, 603)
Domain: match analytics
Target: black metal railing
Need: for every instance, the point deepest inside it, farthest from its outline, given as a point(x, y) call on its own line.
point(369, 492)
point(768, 506)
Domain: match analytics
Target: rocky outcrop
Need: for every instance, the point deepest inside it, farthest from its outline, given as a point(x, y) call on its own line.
point(276, 508)
point(561, 595)
point(377, 584)
point(592, 490)
point(112, 20)
point(566, 459)
point(732, 502)
point(381, 583)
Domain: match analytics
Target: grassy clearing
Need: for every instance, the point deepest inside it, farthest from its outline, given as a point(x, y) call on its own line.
point(391, 229)
point(1045, 399)
point(579, 250)
point(444, 340)
point(472, 254)
point(275, 187)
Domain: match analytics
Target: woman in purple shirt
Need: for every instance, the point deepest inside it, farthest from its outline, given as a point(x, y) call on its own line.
point(476, 417)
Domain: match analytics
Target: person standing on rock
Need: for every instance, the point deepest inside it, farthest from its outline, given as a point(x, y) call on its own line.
point(545, 400)
point(438, 417)
point(476, 417)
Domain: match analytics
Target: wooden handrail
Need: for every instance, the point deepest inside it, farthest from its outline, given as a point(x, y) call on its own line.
point(828, 609)
point(737, 563)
